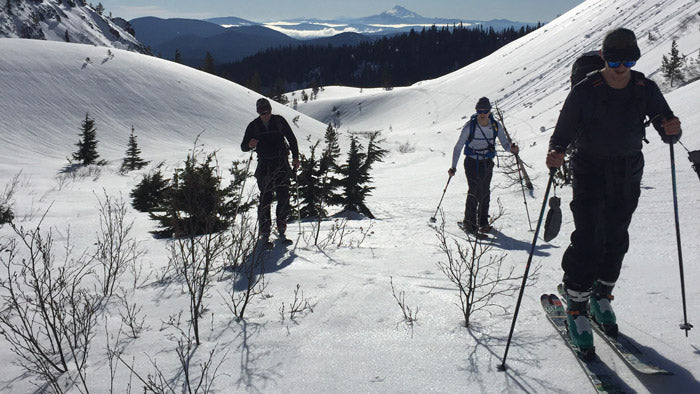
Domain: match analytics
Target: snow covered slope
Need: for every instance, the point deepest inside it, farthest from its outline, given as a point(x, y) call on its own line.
point(356, 338)
point(48, 87)
point(68, 21)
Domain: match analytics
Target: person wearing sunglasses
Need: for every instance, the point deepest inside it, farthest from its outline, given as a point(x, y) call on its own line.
point(604, 118)
point(478, 141)
point(271, 138)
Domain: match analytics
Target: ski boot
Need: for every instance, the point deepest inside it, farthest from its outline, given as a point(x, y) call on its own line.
point(265, 243)
point(281, 229)
point(601, 310)
point(577, 322)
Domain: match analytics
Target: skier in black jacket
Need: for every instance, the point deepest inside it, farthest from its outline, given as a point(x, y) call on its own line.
point(603, 117)
point(272, 138)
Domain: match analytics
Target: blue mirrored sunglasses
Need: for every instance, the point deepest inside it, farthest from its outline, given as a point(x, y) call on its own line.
point(627, 63)
point(483, 111)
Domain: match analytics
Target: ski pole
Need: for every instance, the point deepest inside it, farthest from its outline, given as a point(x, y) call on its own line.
point(685, 326)
point(432, 218)
point(502, 367)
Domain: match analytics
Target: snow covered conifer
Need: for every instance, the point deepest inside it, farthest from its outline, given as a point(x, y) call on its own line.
point(87, 146)
point(133, 160)
point(356, 177)
point(672, 65)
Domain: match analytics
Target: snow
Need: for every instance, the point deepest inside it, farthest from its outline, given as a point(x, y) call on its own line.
point(356, 340)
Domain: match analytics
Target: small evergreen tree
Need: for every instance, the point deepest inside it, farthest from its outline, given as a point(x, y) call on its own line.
point(328, 167)
point(87, 146)
point(178, 56)
point(209, 65)
point(354, 180)
point(672, 66)
point(133, 160)
point(310, 187)
point(196, 203)
point(150, 194)
point(240, 174)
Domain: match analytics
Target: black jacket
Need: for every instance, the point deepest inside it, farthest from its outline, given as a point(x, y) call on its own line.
point(272, 149)
point(602, 121)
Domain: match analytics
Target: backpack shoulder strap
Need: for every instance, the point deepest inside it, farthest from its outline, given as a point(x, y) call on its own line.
point(494, 126)
point(472, 128)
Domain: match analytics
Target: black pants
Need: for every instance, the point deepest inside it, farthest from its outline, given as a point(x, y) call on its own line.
point(273, 181)
point(605, 195)
point(479, 174)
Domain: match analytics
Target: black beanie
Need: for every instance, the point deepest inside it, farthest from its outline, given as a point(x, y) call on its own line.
point(483, 103)
point(620, 44)
point(263, 105)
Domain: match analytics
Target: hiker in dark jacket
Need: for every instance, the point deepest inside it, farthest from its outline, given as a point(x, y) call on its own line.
point(603, 117)
point(478, 142)
point(269, 135)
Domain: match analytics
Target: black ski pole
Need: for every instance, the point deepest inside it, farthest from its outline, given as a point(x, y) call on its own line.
point(685, 326)
point(432, 218)
point(502, 367)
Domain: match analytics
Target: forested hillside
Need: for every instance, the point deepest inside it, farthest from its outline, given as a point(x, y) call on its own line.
point(388, 62)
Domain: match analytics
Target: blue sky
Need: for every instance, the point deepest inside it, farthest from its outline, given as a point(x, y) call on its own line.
point(271, 10)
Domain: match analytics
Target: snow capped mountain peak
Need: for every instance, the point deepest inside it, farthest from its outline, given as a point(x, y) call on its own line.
point(401, 12)
point(69, 21)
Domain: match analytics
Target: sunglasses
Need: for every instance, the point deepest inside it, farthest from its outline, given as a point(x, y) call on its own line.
point(627, 63)
point(265, 113)
point(483, 111)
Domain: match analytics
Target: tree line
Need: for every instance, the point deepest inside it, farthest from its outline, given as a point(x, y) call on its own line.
point(396, 60)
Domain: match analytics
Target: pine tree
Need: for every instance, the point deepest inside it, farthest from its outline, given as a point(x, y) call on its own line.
point(310, 187)
point(355, 180)
point(178, 56)
point(87, 146)
point(209, 65)
point(328, 167)
point(672, 66)
point(149, 194)
point(196, 203)
point(133, 160)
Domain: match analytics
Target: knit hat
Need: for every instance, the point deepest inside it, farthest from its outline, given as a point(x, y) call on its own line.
point(483, 103)
point(263, 105)
point(620, 44)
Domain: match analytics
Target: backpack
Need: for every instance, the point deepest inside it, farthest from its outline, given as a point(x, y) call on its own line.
point(587, 67)
point(584, 65)
point(492, 144)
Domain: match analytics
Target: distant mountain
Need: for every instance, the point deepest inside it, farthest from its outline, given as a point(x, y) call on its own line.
point(65, 20)
point(393, 21)
point(230, 38)
point(153, 31)
point(230, 44)
point(231, 21)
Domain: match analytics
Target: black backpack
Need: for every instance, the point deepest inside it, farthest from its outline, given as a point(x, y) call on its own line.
point(584, 65)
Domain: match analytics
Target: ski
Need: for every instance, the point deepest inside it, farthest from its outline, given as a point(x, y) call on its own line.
point(598, 373)
point(625, 348)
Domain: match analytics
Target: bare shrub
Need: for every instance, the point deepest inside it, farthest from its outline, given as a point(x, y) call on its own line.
point(185, 380)
point(116, 249)
point(477, 272)
point(410, 316)
point(49, 318)
point(246, 265)
point(407, 147)
point(299, 306)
